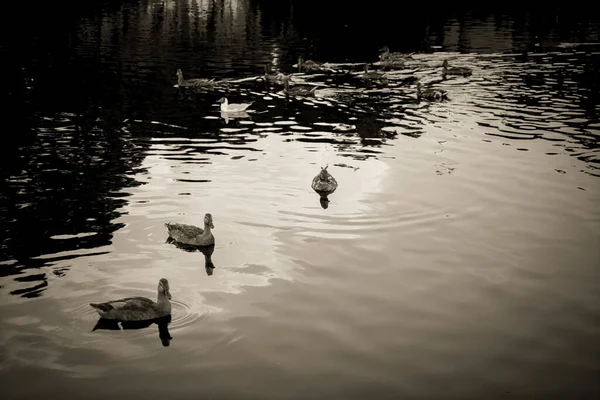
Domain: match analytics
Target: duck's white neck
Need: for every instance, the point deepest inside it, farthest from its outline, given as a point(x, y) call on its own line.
point(206, 228)
point(224, 107)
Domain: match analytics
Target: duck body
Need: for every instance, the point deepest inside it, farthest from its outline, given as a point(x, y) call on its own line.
point(137, 308)
point(392, 64)
point(191, 83)
point(298, 90)
point(278, 78)
point(431, 94)
point(385, 55)
point(192, 235)
point(302, 90)
point(308, 65)
point(324, 183)
point(226, 107)
point(462, 71)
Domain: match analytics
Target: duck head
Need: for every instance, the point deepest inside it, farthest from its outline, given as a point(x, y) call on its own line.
point(324, 174)
point(179, 73)
point(445, 67)
point(222, 100)
point(208, 220)
point(163, 287)
point(384, 52)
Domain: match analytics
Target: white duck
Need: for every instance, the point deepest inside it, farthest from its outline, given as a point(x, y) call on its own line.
point(226, 107)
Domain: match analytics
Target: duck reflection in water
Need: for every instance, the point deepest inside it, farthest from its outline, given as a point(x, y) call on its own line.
point(116, 325)
point(206, 250)
point(234, 115)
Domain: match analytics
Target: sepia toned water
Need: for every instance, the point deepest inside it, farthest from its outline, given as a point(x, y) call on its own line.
point(458, 257)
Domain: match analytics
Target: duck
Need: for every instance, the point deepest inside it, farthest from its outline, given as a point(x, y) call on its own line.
point(226, 107)
point(371, 75)
point(273, 78)
point(137, 308)
point(464, 71)
point(308, 65)
point(298, 90)
point(192, 235)
point(385, 55)
point(324, 183)
point(191, 82)
point(430, 93)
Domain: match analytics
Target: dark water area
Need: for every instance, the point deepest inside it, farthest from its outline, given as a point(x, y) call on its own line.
point(458, 258)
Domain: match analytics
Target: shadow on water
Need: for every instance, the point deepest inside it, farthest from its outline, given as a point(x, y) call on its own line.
point(60, 196)
point(115, 325)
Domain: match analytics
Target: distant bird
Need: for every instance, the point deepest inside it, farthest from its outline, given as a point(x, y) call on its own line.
point(298, 90)
point(226, 107)
point(385, 55)
point(189, 83)
point(308, 65)
point(430, 93)
point(192, 235)
point(278, 78)
point(464, 71)
point(137, 308)
point(324, 183)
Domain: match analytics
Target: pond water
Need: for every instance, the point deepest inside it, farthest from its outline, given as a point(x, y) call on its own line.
point(458, 257)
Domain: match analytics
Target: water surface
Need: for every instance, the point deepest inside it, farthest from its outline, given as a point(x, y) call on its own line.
point(457, 259)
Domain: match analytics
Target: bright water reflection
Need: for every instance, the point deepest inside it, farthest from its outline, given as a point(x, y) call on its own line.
point(457, 257)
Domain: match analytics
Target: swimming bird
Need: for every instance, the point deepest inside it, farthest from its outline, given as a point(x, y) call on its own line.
point(385, 55)
point(464, 71)
point(192, 235)
point(195, 82)
point(298, 90)
point(430, 93)
point(278, 78)
point(226, 107)
point(308, 65)
point(137, 308)
point(324, 183)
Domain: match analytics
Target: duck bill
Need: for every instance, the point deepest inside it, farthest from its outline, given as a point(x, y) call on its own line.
point(212, 225)
point(168, 294)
